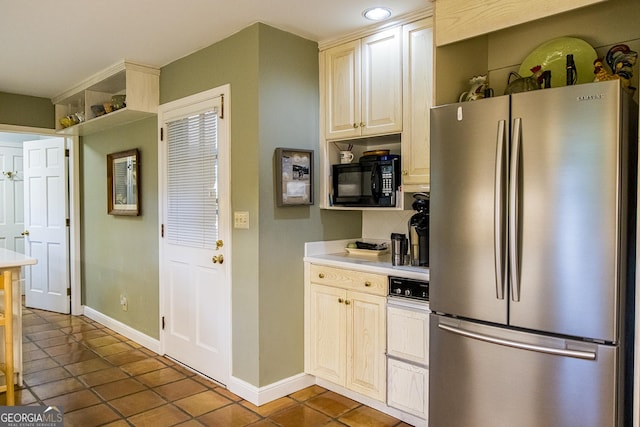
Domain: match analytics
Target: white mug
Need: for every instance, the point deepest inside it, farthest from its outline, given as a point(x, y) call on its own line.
point(346, 157)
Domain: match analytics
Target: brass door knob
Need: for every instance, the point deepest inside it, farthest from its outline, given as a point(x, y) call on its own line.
point(219, 244)
point(217, 259)
point(25, 233)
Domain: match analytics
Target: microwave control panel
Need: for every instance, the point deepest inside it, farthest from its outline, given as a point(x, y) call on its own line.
point(388, 187)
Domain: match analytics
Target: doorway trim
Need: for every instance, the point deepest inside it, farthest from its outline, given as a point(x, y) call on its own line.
point(74, 208)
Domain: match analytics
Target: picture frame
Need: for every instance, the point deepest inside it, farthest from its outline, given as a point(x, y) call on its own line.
point(123, 183)
point(294, 177)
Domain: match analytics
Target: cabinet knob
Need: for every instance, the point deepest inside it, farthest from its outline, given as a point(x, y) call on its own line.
point(361, 124)
point(367, 284)
point(355, 125)
point(404, 172)
point(347, 302)
point(321, 275)
point(340, 300)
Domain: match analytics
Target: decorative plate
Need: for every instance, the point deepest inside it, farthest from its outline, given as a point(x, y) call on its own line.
point(551, 55)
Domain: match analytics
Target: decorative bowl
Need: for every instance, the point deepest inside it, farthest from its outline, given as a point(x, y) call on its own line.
point(117, 101)
point(97, 110)
point(67, 121)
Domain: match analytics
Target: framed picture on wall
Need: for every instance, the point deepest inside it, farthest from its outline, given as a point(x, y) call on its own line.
point(123, 189)
point(294, 177)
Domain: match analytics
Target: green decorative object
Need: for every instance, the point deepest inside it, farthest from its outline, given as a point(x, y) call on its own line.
point(551, 56)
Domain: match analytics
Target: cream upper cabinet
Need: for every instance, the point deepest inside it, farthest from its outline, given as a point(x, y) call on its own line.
point(462, 19)
point(346, 329)
point(417, 58)
point(361, 86)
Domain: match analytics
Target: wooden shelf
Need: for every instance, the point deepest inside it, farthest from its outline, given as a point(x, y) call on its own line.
point(139, 83)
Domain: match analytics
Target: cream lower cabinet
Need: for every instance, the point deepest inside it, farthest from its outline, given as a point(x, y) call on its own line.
point(408, 350)
point(346, 329)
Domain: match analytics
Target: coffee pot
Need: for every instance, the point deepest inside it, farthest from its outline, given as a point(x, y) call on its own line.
point(419, 231)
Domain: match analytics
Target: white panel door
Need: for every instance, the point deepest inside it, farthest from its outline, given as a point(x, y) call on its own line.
point(45, 198)
point(195, 247)
point(11, 199)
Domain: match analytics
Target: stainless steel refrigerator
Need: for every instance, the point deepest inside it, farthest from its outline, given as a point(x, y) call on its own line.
point(532, 259)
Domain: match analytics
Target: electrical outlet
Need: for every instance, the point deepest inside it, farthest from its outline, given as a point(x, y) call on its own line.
point(241, 220)
point(123, 303)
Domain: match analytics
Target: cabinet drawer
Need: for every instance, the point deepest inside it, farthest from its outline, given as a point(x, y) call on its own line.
point(408, 387)
point(408, 334)
point(349, 279)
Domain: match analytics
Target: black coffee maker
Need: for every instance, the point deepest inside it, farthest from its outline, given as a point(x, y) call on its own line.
point(419, 231)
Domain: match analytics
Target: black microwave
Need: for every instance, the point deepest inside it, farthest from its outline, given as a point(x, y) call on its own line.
point(367, 183)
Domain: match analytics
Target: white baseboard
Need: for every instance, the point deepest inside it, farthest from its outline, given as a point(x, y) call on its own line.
point(124, 330)
point(261, 395)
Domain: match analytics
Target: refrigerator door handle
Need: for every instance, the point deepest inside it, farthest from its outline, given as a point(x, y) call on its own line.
point(499, 212)
point(586, 355)
point(513, 211)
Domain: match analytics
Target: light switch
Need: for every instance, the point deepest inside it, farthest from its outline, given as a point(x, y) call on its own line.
point(241, 220)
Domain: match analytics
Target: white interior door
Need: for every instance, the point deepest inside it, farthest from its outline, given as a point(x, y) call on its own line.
point(194, 192)
point(11, 198)
point(45, 201)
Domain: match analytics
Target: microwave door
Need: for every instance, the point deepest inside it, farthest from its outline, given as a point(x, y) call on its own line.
point(347, 184)
point(375, 183)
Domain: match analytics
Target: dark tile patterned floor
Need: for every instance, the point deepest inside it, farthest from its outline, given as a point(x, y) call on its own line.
point(101, 378)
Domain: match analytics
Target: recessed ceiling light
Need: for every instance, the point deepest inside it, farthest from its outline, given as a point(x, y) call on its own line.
point(377, 13)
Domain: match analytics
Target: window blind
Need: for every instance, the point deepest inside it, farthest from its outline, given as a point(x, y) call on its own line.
point(192, 180)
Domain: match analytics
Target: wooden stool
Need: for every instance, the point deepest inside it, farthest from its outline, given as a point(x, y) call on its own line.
point(6, 321)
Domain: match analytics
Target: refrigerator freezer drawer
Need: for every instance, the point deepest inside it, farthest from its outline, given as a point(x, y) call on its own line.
point(483, 376)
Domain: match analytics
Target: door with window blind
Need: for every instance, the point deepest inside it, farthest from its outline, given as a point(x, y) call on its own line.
point(194, 248)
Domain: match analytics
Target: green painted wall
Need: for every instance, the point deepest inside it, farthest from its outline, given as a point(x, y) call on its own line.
point(274, 103)
point(120, 253)
point(23, 110)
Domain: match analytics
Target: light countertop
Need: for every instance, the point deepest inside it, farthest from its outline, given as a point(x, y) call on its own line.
point(333, 254)
point(11, 259)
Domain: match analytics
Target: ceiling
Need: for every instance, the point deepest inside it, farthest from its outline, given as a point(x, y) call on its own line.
point(49, 46)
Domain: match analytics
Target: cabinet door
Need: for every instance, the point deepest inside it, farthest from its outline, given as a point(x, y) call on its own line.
point(408, 388)
point(366, 331)
point(417, 101)
point(409, 337)
point(382, 82)
point(327, 329)
point(463, 19)
point(342, 90)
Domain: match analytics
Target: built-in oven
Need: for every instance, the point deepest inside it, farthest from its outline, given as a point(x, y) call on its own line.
point(408, 347)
